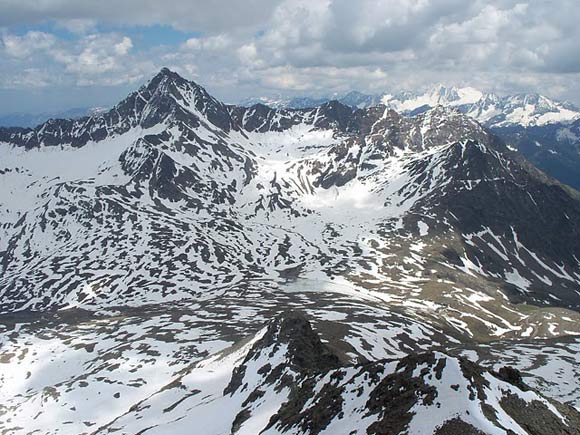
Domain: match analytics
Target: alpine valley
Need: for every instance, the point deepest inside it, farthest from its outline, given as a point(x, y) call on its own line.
point(176, 265)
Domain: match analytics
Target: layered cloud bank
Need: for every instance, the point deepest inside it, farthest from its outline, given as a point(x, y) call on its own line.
point(291, 46)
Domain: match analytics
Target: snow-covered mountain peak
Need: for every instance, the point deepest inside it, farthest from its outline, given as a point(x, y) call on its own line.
point(165, 75)
point(171, 83)
point(487, 108)
point(455, 95)
point(442, 93)
point(166, 99)
point(168, 88)
point(412, 102)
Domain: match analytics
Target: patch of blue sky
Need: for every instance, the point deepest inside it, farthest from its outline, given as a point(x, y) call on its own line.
point(45, 27)
point(146, 37)
point(143, 37)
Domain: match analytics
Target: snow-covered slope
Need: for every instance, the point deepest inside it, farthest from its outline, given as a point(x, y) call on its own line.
point(282, 379)
point(285, 380)
point(173, 199)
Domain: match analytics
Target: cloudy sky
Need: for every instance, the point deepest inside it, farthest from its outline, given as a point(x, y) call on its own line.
point(59, 54)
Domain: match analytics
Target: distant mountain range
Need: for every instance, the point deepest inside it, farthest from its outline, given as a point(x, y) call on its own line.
point(544, 130)
point(353, 99)
point(487, 108)
point(34, 119)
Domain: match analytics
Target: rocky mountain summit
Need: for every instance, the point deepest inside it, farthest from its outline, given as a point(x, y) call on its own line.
point(140, 242)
